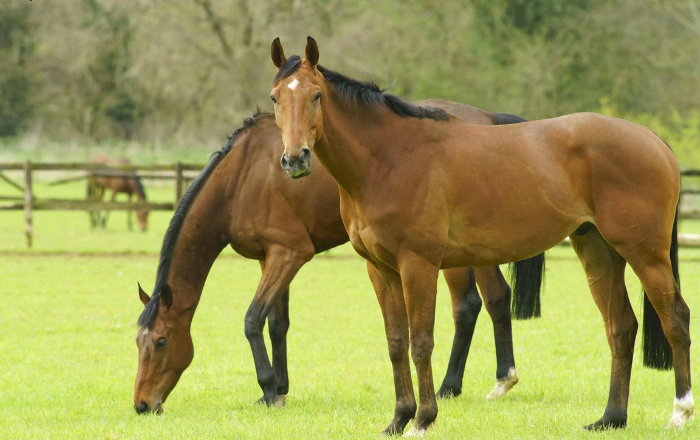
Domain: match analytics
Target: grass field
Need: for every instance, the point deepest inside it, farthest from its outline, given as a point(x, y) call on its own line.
point(68, 359)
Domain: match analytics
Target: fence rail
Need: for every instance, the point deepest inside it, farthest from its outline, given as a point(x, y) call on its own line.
point(28, 203)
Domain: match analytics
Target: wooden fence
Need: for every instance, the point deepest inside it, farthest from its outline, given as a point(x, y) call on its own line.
point(28, 203)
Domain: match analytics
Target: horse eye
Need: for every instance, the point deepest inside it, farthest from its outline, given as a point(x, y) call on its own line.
point(274, 101)
point(318, 96)
point(160, 343)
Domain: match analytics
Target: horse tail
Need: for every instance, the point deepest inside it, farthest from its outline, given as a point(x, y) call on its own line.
point(657, 350)
point(526, 277)
point(140, 188)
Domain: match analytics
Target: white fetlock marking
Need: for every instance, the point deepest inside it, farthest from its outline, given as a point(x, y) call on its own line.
point(682, 410)
point(415, 432)
point(293, 85)
point(504, 385)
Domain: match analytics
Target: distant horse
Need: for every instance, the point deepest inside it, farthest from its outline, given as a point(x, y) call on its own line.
point(422, 191)
point(97, 185)
point(241, 199)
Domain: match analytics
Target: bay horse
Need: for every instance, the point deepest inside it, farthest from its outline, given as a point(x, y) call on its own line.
point(421, 190)
point(98, 184)
point(241, 199)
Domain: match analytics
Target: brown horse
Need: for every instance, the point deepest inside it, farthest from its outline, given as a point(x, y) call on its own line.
point(98, 184)
point(242, 199)
point(422, 191)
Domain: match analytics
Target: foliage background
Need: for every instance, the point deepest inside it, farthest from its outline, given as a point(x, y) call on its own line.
point(184, 73)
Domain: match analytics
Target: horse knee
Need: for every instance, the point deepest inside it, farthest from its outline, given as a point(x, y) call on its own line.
point(398, 347)
point(421, 347)
point(253, 325)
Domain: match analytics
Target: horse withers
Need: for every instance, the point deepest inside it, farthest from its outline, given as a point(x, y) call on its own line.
point(421, 191)
point(129, 184)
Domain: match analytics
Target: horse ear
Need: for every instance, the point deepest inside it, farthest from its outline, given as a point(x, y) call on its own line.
point(277, 53)
point(143, 295)
point(311, 51)
point(166, 295)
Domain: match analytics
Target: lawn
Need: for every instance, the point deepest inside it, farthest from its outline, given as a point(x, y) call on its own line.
point(68, 359)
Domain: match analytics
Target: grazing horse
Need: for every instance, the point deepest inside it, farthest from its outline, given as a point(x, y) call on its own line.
point(97, 184)
point(241, 199)
point(422, 191)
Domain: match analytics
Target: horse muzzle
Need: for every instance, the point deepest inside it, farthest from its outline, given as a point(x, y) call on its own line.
point(297, 166)
point(143, 407)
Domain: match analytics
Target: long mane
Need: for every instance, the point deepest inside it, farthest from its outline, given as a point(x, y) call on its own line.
point(366, 93)
point(167, 250)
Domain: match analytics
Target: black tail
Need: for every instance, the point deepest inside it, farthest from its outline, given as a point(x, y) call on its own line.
point(526, 277)
point(657, 350)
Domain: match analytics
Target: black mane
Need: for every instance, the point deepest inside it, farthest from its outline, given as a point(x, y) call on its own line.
point(371, 95)
point(368, 93)
point(140, 188)
point(149, 313)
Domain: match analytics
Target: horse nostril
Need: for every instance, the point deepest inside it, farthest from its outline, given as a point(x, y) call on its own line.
point(142, 407)
point(284, 161)
point(305, 154)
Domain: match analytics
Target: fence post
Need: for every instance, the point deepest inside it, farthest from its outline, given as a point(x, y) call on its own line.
point(28, 198)
point(178, 183)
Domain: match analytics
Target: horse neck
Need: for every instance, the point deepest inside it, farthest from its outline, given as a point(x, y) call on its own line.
point(347, 158)
point(198, 245)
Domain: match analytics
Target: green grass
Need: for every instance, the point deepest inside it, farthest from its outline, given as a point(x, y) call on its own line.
point(68, 358)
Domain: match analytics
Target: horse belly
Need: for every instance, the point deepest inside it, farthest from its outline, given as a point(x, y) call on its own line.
point(488, 235)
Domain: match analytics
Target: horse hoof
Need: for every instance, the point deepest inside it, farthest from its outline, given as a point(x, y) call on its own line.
point(604, 425)
point(683, 409)
point(448, 392)
point(504, 385)
point(279, 401)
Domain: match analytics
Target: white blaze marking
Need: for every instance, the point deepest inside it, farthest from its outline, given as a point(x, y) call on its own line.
point(682, 410)
point(145, 331)
point(293, 85)
point(504, 385)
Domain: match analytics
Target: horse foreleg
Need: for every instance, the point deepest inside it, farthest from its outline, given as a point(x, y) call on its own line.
point(419, 282)
point(281, 265)
point(108, 211)
point(496, 293)
point(466, 305)
point(129, 215)
point(387, 286)
point(278, 321)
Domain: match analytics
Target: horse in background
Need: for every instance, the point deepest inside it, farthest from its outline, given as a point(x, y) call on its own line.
point(97, 185)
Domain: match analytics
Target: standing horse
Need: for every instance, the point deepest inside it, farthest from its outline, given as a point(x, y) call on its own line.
point(242, 199)
point(422, 191)
point(97, 184)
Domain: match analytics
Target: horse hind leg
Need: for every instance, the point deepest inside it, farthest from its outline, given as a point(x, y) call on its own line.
point(466, 305)
point(605, 271)
point(497, 296)
point(655, 272)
